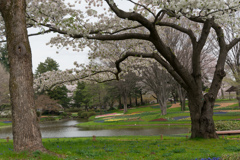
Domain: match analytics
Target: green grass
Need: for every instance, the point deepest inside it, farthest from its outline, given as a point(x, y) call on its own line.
point(126, 147)
point(138, 117)
point(5, 124)
point(144, 115)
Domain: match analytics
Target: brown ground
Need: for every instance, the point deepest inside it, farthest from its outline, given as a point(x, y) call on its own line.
point(175, 105)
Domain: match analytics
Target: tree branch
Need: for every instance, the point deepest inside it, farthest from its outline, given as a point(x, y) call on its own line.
point(179, 28)
point(233, 43)
point(143, 7)
point(154, 56)
point(130, 15)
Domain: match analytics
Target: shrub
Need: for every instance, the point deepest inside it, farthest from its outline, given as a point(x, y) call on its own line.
point(73, 110)
point(83, 115)
point(233, 156)
point(49, 119)
point(89, 114)
point(80, 112)
point(227, 125)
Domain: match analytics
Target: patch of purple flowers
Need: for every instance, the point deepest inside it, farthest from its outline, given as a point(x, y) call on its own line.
point(219, 112)
point(180, 117)
point(7, 121)
point(214, 158)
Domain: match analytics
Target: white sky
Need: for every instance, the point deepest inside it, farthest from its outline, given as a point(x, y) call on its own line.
point(65, 58)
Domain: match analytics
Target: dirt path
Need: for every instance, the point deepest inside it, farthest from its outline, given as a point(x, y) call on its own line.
point(176, 105)
point(224, 105)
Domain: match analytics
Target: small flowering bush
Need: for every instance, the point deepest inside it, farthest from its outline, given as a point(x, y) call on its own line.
point(214, 158)
point(227, 125)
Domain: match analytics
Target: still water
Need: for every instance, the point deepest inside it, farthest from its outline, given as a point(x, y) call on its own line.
point(66, 128)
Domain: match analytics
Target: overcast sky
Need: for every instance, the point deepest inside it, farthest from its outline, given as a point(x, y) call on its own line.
point(65, 58)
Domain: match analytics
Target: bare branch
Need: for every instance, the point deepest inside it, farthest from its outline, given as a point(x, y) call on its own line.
point(233, 43)
point(179, 28)
point(157, 58)
point(143, 7)
point(130, 15)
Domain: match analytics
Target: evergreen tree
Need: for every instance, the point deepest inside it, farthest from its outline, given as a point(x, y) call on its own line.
point(48, 65)
point(60, 93)
point(4, 57)
point(78, 94)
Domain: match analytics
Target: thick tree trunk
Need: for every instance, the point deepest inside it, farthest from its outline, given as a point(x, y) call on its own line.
point(201, 111)
point(26, 132)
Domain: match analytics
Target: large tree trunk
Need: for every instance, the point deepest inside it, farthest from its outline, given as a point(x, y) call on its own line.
point(26, 132)
point(201, 111)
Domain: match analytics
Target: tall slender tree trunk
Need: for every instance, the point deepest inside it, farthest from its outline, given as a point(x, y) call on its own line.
point(238, 95)
point(163, 105)
point(130, 100)
point(26, 132)
point(183, 106)
point(141, 96)
point(222, 93)
point(125, 103)
point(120, 102)
point(136, 101)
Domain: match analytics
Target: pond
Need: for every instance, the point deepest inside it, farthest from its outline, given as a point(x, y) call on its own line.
point(67, 128)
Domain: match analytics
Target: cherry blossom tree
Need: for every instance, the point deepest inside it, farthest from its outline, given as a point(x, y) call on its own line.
point(144, 23)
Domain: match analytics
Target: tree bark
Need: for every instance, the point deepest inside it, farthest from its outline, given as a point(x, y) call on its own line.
point(141, 97)
point(26, 132)
point(136, 101)
point(238, 95)
point(125, 103)
point(120, 102)
point(201, 111)
point(183, 106)
point(130, 100)
point(163, 105)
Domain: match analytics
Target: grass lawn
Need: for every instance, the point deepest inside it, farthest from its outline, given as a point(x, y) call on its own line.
point(150, 116)
point(127, 148)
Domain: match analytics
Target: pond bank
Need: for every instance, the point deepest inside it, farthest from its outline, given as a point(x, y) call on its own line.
point(67, 128)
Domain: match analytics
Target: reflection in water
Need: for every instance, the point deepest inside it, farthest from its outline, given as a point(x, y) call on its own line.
point(66, 128)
